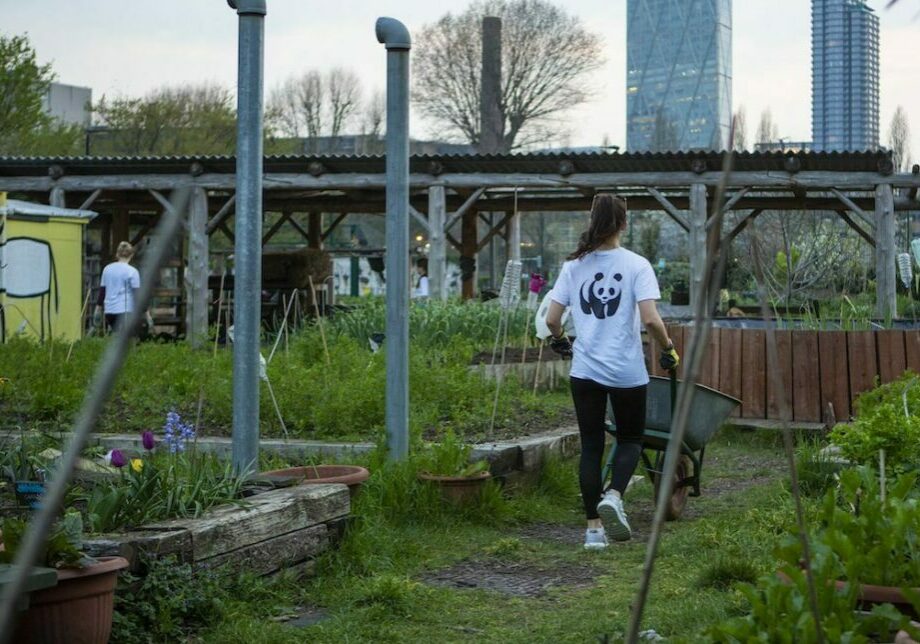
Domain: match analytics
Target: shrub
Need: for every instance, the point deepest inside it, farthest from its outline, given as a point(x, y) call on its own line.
point(888, 418)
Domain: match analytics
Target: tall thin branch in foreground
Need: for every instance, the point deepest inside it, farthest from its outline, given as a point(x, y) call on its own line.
point(697, 346)
point(99, 391)
point(776, 381)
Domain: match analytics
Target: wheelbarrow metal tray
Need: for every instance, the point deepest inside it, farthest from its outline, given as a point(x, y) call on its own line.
point(710, 408)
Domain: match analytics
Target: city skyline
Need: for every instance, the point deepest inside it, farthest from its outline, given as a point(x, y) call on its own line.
point(678, 74)
point(845, 75)
point(130, 53)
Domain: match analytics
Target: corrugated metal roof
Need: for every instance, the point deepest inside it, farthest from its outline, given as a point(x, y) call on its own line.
point(541, 163)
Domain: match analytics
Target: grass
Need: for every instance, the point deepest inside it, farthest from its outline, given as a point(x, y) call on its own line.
point(370, 587)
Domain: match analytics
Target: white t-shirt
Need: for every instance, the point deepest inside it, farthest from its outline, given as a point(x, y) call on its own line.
point(604, 289)
point(119, 279)
point(421, 289)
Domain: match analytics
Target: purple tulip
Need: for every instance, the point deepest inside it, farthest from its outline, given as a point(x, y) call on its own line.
point(117, 459)
point(148, 440)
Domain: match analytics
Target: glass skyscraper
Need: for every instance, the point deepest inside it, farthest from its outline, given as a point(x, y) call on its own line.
point(844, 70)
point(678, 74)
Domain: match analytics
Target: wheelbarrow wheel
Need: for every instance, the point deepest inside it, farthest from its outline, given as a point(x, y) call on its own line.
point(677, 499)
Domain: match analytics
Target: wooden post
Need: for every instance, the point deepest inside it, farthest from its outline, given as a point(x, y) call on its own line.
point(886, 303)
point(315, 230)
point(514, 237)
point(697, 241)
point(491, 119)
point(121, 225)
point(469, 242)
point(437, 256)
point(57, 198)
point(196, 276)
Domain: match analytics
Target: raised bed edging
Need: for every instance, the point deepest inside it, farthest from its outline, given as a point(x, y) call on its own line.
point(550, 375)
point(263, 534)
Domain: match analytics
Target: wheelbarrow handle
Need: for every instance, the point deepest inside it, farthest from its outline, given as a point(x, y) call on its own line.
point(672, 373)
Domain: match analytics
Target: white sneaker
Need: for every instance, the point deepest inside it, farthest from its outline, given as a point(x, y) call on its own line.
point(595, 539)
point(614, 517)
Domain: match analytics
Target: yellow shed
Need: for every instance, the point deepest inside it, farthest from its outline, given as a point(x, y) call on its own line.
point(41, 270)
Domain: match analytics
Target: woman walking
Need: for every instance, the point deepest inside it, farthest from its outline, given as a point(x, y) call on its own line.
point(609, 289)
point(117, 289)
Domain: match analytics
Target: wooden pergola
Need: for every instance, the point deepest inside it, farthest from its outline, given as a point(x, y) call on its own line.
point(450, 194)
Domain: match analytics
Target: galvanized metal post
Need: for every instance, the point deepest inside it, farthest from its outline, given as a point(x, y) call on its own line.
point(395, 36)
point(247, 271)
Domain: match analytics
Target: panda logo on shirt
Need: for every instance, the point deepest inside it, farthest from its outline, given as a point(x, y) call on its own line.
point(602, 300)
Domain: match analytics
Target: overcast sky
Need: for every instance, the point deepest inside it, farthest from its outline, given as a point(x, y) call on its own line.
point(129, 47)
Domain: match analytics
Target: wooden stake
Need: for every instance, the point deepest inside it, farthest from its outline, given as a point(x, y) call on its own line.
point(82, 325)
point(220, 309)
point(319, 320)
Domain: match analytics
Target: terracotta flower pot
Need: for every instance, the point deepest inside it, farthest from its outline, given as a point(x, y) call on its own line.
point(351, 475)
point(76, 611)
point(870, 595)
point(458, 489)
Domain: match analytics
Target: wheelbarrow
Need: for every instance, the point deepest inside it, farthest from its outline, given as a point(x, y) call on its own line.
point(709, 410)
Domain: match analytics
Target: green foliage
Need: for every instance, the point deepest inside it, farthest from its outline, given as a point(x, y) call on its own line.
point(343, 400)
point(167, 486)
point(61, 548)
point(171, 596)
point(649, 235)
point(193, 119)
point(674, 276)
point(888, 418)
point(726, 571)
point(863, 539)
point(817, 468)
point(451, 457)
point(23, 84)
point(396, 594)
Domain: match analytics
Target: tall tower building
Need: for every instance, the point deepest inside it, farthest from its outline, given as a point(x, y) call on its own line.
point(844, 75)
point(678, 74)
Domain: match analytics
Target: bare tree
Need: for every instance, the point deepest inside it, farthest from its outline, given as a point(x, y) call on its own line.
point(373, 116)
point(768, 130)
point(739, 124)
point(899, 139)
point(547, 58)
point(344, 89)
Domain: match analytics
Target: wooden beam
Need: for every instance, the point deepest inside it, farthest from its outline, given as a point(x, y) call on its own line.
point(843, 214)
point(196, 274)
point(162, 200)
point(731, 203)
point(741, 225)
point(222, 226)
point(146, 228)
point(419, 217)
point(496, 230)
point(846, 201)
point(296, 226)
point(315, 229)
point(699, 213)
point(334, 225)
point(91, 199)
point(453, 241)
point(669, 208)
point(812, 180)
point(437, 255)
point(276, 226)
point(222, 214)
point(473, 198)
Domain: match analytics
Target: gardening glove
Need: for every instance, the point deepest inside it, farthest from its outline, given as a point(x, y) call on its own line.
point(669, 360)
point(97, 317)
point(562, 346)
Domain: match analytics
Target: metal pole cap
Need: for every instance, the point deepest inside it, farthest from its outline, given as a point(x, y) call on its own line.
point(392, 33)
point(248, 7)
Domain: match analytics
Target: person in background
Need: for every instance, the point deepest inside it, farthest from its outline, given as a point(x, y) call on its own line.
point(610, 290)
point(117, 289)
point(537, 282)
point(421, 286)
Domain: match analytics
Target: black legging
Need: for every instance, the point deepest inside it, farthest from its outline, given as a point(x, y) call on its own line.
point(591, 409)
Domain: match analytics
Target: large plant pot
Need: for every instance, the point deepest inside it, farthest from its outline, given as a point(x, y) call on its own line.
point(351, 475)
point(457, 489)
point(76, 611)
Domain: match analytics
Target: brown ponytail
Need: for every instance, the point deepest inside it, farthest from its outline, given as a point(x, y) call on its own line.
point(608, 218)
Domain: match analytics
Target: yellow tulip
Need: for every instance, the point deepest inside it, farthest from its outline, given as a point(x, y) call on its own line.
point(137, 464)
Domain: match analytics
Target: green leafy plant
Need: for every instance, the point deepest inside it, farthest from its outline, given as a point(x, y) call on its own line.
point(62, 548)
point(450, 457)
point(888, 418)
point(817, 468)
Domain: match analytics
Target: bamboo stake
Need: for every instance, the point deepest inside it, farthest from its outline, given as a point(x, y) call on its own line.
point(881, 470)
point(82, 324)
point(283, 328)
point(220, 309)
point(536, 375)
point(319, 321)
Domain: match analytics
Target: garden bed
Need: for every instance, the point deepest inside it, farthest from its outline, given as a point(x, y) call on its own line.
point(266, 533)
